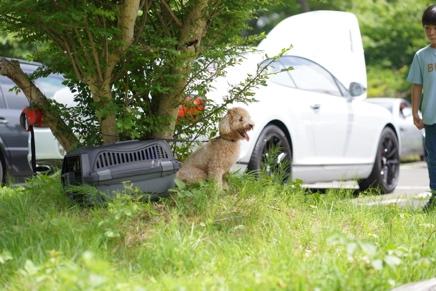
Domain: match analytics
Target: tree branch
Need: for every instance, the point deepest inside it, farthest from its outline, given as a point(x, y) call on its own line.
point(74, 62)
point(106, 45)
point(145, 6)
point(94, 50)
point(63, 44)
point(82, 46)
point(171, 13)
point(126, 24)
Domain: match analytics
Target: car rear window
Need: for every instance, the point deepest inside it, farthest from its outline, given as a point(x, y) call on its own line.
point(14, 97)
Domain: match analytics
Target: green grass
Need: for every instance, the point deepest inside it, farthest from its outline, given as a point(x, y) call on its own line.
point(257, 236)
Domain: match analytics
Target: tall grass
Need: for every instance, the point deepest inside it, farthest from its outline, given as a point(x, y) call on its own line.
point(258, 235)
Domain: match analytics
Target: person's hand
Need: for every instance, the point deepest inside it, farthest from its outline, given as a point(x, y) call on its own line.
point(418, 122)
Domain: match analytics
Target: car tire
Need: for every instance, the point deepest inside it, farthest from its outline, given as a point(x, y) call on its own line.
point(272, 154)
point(386, 169)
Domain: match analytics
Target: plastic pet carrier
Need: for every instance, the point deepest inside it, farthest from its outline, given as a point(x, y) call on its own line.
point(148, 165)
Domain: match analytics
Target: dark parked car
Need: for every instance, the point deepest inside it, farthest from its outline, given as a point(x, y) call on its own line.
point(14, 148)
point(14, 140)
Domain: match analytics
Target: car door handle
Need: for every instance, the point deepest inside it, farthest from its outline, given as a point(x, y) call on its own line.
point(3, 120)
point(315, 106)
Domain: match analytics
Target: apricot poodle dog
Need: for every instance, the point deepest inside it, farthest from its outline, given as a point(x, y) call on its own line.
point(215, 158)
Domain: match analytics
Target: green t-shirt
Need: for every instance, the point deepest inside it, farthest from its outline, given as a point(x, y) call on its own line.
point(423, 72)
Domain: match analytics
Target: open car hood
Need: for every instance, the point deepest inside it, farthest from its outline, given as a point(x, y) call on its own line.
point(330, 38)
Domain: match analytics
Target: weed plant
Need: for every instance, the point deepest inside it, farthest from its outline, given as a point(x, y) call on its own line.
point(257, 235)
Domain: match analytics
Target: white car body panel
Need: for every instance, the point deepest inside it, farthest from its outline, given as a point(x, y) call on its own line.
point(47, 147)
point(410, 138)
point(333, 137)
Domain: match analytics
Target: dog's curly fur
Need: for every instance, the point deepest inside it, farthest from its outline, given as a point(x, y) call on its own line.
point(215, 158)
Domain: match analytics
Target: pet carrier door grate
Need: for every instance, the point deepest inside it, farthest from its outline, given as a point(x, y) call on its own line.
point(113, 158)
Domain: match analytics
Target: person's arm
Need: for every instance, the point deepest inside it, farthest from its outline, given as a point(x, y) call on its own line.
point(416, 100)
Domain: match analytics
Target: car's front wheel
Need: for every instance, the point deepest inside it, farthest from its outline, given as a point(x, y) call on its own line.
point(272, 154)
point(386, 169)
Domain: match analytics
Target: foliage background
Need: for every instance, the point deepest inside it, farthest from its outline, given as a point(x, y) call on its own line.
point(391, 32)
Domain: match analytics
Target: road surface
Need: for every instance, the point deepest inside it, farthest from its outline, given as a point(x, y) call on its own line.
point(413, 178)
point(412, 190)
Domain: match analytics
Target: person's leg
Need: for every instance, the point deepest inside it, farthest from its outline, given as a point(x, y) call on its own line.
point(430, 147)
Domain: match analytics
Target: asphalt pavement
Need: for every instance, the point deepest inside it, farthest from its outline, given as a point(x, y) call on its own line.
point(412, 190)
point(413, 178)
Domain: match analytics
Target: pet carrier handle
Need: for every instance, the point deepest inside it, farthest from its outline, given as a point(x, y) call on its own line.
point(29, 118)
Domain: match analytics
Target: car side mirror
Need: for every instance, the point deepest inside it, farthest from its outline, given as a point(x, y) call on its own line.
point(356, 89)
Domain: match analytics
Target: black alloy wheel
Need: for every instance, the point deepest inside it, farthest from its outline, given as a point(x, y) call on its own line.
point(386, 169)
point(272, 154)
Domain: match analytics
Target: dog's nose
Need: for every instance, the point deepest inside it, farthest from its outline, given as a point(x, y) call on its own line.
point(251, 125)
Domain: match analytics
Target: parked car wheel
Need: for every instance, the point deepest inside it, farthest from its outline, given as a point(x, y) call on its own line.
point(386, 169)
point(272, 154)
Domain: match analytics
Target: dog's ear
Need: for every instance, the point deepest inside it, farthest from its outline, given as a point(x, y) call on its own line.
point(224, 125)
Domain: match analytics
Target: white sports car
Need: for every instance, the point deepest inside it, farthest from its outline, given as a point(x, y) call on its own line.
point(315, 114)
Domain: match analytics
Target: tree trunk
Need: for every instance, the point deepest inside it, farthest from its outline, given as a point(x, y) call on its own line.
point(168, 107)
point(191, 33)
point(102, 95)
point(51, 118)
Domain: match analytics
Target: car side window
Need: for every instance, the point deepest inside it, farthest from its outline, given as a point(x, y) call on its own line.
point(13, 99)
point(308, 75)
point(279, 73)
